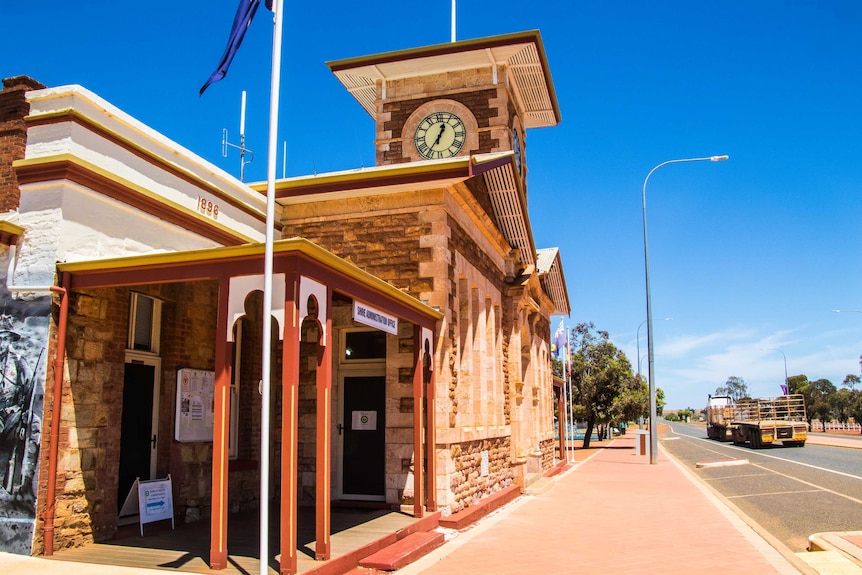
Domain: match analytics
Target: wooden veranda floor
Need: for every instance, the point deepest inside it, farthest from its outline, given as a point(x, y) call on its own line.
point(186, 549)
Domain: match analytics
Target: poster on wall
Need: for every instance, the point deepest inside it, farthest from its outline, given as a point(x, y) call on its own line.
point(363, 421)
point(195, 405)
point(23, 347)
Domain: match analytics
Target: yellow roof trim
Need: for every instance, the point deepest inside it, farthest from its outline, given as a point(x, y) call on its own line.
point(365, 174)
point(10, 228)
point(298, 245)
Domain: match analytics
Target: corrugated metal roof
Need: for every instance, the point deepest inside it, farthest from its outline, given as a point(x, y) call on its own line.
point(550, 266)
point(521, 53)
point(499, 173)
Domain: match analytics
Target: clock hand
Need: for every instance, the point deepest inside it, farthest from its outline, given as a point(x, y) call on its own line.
point(439, 134)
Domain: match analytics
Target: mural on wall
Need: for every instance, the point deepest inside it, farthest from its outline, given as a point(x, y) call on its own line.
point(23, 349)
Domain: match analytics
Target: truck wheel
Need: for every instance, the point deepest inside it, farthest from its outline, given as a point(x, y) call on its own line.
point(755, 441)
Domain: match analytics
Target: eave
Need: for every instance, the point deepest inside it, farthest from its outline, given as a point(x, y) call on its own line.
point(214, 263)
point(522, 54)
point(550, 268)
point(498, 171)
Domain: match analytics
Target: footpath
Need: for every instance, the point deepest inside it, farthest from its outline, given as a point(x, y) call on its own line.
point(615, 513)
point(610, 512)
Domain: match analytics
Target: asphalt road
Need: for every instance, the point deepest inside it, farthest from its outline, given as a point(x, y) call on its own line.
point(789, 492)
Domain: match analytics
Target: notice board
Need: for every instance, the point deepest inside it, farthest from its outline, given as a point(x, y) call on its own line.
point(195, 405)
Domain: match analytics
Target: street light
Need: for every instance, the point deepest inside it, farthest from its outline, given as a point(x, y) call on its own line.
point(786, 388)
point(653, 435)
point(639, 340)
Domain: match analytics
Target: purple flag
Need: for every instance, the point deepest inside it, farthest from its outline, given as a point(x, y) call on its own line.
point(244, 13)
point(559, 341)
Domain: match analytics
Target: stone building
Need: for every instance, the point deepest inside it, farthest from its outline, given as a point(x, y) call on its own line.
point(410, 357)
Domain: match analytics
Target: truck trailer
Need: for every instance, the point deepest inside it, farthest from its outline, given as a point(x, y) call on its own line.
point(758, 422)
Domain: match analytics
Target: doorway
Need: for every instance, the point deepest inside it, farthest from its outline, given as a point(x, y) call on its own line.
point(362, 416)
point(364, 439)
point(138, 423)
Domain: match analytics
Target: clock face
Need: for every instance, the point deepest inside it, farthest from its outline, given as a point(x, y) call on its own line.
point(440, 135)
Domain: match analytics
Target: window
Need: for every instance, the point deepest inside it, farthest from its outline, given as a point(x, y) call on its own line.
point(364, 345)
point(144, 323)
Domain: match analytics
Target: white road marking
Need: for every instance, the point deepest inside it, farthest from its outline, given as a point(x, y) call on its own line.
point(817, 467)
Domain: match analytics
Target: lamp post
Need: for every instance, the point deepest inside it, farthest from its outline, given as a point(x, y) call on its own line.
point(639, 340)
point(653, 435)
point(786, 388)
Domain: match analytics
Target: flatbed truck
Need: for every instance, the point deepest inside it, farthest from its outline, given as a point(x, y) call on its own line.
point(758, 422)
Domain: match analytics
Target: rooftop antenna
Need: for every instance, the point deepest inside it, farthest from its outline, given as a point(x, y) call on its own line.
point(242, 149)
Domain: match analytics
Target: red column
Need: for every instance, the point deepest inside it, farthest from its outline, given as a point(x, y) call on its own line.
point(289, 425)
point(418, 403)
point(431, 431)
point(221, 433)
point(324, 426)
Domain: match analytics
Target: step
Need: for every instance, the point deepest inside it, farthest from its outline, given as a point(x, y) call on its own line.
point(403, 552)
point(474, 513)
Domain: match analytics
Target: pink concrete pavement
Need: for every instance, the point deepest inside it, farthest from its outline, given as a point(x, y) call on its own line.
point(612, 513)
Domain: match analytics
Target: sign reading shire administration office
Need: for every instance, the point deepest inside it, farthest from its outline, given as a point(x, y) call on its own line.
point(367, 315)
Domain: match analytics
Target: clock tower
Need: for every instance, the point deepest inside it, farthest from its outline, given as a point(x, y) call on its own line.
point(457, 99)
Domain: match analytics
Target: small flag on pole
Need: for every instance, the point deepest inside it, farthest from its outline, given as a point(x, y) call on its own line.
point(244, 14)
point(559, 341)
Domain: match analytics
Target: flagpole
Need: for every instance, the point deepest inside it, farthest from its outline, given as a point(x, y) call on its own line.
point(267, 288)
point(569, 416)
point(453, 20)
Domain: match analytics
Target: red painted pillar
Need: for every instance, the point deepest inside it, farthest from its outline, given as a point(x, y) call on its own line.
point(418, 421)
point(323, 465)
point(290, 425)
point(221, 433)
point(431, 426)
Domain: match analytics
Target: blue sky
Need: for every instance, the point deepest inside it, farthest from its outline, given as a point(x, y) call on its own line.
point(747, 256)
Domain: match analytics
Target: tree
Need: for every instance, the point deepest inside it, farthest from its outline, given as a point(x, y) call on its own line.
point(840, 403)
point(796, 383)
point(558, 368)
point(600, 375)
point(816, 402)
point(851, 380)
point(633, 401)
point(856, 406)
point(735, 388)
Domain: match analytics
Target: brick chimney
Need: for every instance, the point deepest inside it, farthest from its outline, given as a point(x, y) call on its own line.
point(13, 135)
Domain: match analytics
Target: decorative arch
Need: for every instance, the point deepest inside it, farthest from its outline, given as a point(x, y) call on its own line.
point(240, 287)
point(309, 288)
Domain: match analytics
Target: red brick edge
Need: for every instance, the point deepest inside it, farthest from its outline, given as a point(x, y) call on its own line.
point(474, 513)
point(350, 560)
point(404, 552)
point(557, 469)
